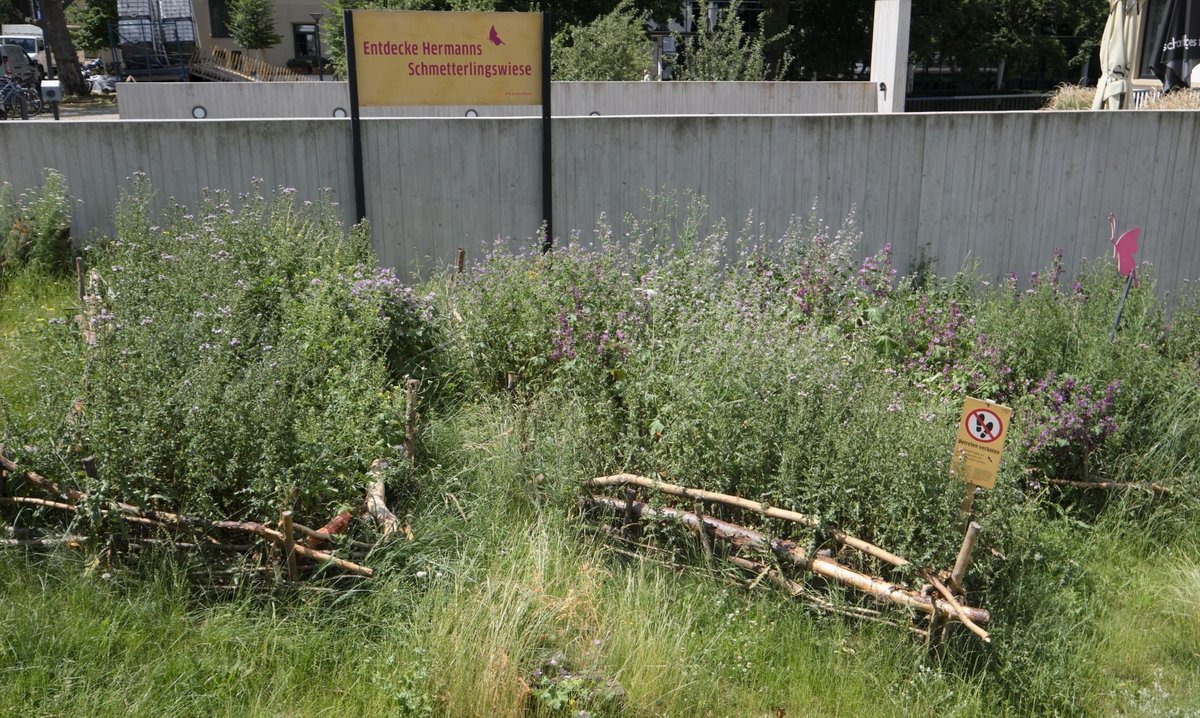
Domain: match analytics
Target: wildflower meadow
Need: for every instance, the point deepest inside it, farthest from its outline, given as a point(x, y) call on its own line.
point(250, 356)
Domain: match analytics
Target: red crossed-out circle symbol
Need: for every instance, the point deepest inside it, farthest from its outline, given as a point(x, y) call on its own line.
point(984, 425)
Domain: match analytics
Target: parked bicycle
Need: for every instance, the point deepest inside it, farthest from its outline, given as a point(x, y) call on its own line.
point(14, 93)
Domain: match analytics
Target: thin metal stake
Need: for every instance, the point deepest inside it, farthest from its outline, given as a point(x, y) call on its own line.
point(1112, 334)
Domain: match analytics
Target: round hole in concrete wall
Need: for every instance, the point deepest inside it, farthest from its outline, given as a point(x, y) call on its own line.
point(199, 112)
point(472, 113)
point(593, 113)
point(339, 112)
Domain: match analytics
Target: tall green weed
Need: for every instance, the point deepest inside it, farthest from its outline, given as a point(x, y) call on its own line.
point(244, 360)
point(35, 228)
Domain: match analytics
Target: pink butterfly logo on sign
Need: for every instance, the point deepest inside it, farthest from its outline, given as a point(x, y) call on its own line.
point(1124, 247)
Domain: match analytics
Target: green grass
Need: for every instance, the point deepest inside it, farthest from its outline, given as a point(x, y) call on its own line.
point(1148, 628)
point(462, 638)
point(509, 603)
point(78, 643)
point(27, 301)
point(84, 643)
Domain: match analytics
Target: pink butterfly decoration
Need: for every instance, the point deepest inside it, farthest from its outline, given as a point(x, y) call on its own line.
point(1124, 247)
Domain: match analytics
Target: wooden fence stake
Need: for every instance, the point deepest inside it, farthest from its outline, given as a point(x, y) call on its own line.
point(410, 419)
point(460, 261)
point(289, 545)
point(510, 381)
point(937, 632)
point(963, 562)
point(705, 540)
point(967, 505)
point(956, 607)
point(631, 527)
point(79, 280)
point(3, 465)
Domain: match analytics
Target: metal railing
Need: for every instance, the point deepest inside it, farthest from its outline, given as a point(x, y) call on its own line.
point(222, 64)
point(977, 103)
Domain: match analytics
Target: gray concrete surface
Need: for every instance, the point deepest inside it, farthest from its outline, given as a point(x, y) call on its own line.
point(1003, 189)
point(244, 100)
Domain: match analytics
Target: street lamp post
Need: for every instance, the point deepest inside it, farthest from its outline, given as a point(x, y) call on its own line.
point(316, 16)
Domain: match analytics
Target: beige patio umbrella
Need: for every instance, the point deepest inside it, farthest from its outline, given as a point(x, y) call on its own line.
point(1117, 50)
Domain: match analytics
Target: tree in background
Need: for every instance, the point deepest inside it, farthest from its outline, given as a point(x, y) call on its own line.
point(252, 24)
point(1022, 42)
point(612, 47)
point(92, 22)
point(727, 52)
point(1030, 42)
point(828, 39)
point(11, 11)
point(62, 49)
point(564, 15)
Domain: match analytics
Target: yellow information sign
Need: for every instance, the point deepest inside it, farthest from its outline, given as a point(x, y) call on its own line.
point(981, 433)
point(447, 58)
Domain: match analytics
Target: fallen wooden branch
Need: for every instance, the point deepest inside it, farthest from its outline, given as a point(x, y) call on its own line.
point(377, 498)
point(797, 590)
point(789, 551)
point(958, 609)
point(334, 526)
point(33, 501)
point(40, 481)
point(315, 538)
point(759, 508)
point(202, 545)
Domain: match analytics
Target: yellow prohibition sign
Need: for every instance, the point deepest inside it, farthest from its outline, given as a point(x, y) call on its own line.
point(980, 444)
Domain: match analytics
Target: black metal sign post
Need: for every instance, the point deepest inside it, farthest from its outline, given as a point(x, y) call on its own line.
point(360, 195)
point(547, 164)
point(360, 191)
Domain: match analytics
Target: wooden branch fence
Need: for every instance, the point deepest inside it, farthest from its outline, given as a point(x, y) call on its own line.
point(294, 540)
point(940, 600)
point(68, 500)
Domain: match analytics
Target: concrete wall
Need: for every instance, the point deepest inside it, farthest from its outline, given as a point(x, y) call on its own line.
point(889, 53)
point(237, 100)
point(1004, 189)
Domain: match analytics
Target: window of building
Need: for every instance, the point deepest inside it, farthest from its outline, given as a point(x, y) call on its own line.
point(218, 16)
point(1154, 11)
point(305, 37)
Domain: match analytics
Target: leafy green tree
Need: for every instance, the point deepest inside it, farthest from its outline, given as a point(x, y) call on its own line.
point(829, 39)
point(252, 24)
point(10, 11)
point(1020, 39)
point(92, 22)
point(567, 13)
point(564, 15)
point(611, 47)
point(727, 52)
